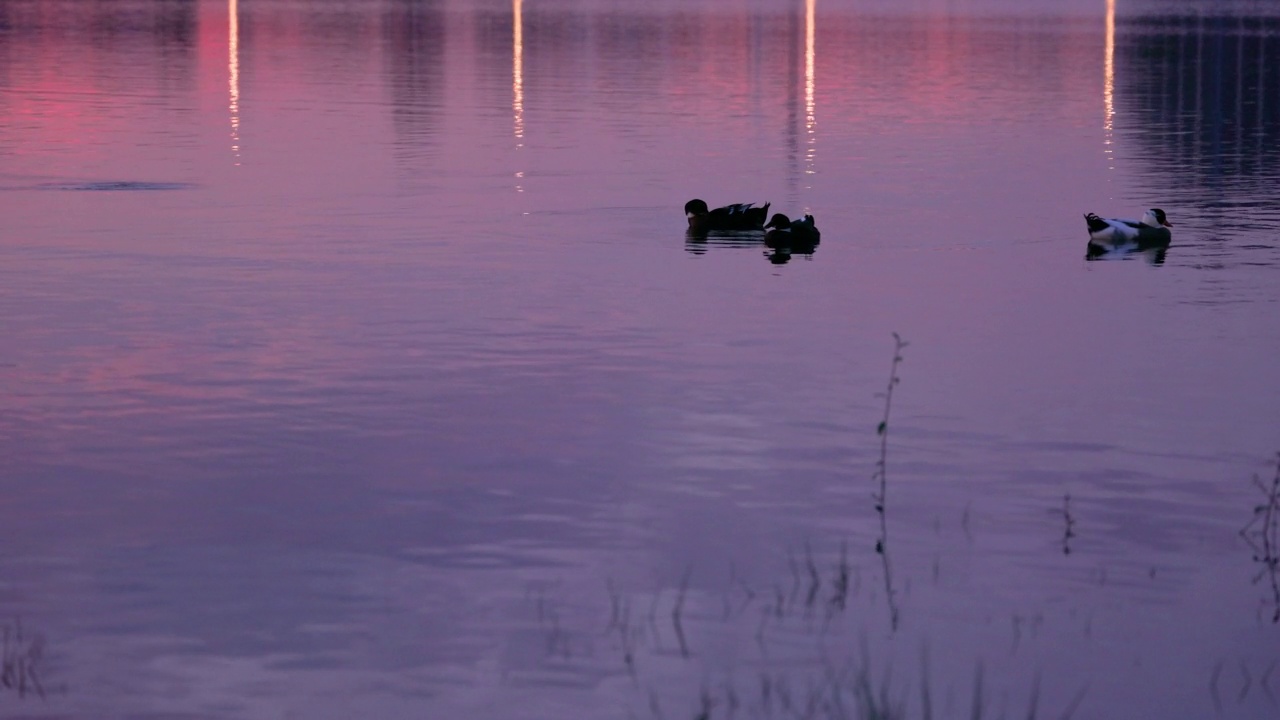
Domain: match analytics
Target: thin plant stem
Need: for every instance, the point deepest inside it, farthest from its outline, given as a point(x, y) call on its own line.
point(881, 476)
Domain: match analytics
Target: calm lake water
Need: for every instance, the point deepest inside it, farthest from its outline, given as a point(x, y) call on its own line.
point(355, 363)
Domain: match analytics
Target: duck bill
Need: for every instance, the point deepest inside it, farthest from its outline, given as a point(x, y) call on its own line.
point(1166, 223)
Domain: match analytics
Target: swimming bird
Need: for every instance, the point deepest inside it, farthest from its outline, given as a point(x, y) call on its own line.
point(782, 231)
point(1151, 230)
point(742, 216)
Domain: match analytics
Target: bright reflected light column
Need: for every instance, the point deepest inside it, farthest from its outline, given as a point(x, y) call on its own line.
point(517, 81)
point(810, 121)
point(233, 70)
point(1109, 85)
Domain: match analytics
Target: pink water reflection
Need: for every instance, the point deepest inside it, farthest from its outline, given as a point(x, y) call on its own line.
point(393, 350)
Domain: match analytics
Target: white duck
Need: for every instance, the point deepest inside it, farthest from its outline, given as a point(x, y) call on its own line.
point(1152, 229)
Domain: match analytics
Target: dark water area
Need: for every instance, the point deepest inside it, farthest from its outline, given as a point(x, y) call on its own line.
point(355, 360)
point(1209, 112)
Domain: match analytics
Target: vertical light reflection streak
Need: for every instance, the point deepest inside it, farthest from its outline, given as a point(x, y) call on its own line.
point(810, 122)
point(1109, 84)
point(517, 80)
point(233, 70)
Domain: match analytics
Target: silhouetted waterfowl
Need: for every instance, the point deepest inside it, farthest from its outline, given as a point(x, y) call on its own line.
point(782, 231)
point(1151, 230)
point(743, 216)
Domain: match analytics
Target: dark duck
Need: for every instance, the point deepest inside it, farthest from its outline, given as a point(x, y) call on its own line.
point(782, 231)
point(742, 216)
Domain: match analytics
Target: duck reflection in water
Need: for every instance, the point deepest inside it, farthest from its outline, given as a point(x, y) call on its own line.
point(778, 251)
point(1154, 255)
point(777, 254)
point(700, 243)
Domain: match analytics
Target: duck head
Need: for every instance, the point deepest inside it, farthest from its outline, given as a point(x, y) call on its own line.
point(778, 222)
point(696, 207)
point(1155, 218)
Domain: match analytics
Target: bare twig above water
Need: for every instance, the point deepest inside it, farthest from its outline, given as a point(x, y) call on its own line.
point(1069, 530)
point(882, 429)
point(881, 477)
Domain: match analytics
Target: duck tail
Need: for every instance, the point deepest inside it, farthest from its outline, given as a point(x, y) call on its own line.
point(1095, 223)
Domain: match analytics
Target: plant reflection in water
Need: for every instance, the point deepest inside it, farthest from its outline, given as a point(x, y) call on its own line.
point(20, 671)
point(1263, 536)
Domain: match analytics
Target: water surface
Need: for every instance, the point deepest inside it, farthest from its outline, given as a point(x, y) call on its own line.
point(355, 361)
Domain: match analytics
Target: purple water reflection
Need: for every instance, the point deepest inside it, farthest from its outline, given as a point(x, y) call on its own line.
point(356, 362)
